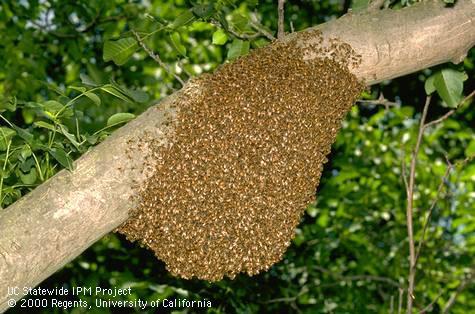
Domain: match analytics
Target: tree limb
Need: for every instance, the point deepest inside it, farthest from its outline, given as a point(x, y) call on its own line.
point(281, 21)
point(409, 208)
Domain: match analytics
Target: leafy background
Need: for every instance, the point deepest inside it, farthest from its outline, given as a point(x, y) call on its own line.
point(72, 71)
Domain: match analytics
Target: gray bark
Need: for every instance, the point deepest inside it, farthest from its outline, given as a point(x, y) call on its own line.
point(57, 221)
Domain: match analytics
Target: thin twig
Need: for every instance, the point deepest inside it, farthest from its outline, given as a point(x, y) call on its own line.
point(431, 209)
point(380, 101)
point(156, 57)
point(292, 29)
point(401, 297)
point(375, 5)
point(235, 33)
point(446, 174)
point(391, 305)
point(280, 26)
point(410, 209)
point(244, 36)
point(451, 112)
point(259, 27)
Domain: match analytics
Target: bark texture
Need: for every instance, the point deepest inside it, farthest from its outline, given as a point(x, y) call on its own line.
point(52, 225)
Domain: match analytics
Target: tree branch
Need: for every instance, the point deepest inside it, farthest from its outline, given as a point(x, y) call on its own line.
point(409, 209)
point(281, 21)
point(380, 101)
point(258, 27)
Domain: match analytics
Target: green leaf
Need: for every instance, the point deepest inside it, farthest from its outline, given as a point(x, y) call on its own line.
point(92, 139)
point(52, 107)
point(120, 50)
point(45, 125)
point(6, 135)
point(119, 118)
point(138, 95)
point(135, 95)
point(95, 99)
point(177, 44)
point(78, 88)
point(87, 80)
point(449, 86)
point(27, 164)
point(240, 22)
point(203, 10)
point(470, 150)
point(69, 136)
point(220, 37)
point(25, 151)
point(24, 134)
point(28, 178)
point(111, 89)
point(60, 155)
point(429, 85)
point(8, 104)
point(238, 48)
point(183, 19)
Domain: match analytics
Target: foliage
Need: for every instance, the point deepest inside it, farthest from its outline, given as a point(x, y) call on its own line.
point(71, 72)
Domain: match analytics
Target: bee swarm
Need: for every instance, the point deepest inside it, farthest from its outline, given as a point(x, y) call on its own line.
point(245, 160)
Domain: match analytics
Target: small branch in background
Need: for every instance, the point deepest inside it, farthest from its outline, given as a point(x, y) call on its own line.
point(375, 5)
point(281, 21)
point(259, 27)
point(451, 112)
point(410, 186)
point(156, 57)
point(469, 279)
point(244, 36)
point(292, 29)
point(449, 168)
point(401, 297)
point(391, 305)
point(237, 34)
point(410, 209)
point(431, 209)
point(380, 101)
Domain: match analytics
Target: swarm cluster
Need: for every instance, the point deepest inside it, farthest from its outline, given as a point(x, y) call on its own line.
point(244, 162)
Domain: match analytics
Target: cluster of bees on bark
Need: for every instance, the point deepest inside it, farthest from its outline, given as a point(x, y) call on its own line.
point(245, 159)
